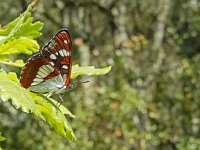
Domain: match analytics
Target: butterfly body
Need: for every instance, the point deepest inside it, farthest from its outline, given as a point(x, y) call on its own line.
point(49, 71)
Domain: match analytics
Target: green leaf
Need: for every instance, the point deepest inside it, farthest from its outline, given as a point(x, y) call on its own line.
point(4, 32)
point(30, 30)
point(17, 63)
point(63, 109)
point(3, 58)
point(55, 116)
point(2, 138)
point(41, 106)
point(17, 46)
point(89, 70)
point(18, 36)
point(22, 26)
point(20, 98)
point(12, 76)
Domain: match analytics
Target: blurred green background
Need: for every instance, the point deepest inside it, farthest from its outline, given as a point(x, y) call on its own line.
point(150, 99)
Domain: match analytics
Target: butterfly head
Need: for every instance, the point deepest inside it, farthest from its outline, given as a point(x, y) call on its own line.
point(72, 85)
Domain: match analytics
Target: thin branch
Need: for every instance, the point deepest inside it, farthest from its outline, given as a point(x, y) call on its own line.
point(34, 3)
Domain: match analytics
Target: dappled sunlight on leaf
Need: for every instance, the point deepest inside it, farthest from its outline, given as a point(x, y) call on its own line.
point(54, 116)
point(9, 90)
point(18, 36)
point(45, 108)
point(88, 70)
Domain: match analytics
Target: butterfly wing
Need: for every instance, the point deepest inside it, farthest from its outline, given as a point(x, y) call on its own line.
point(50, 69)
point(37, 72)
point(58, 53)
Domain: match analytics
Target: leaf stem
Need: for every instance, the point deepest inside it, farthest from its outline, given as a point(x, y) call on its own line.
point(11, 63)
point(34, 3)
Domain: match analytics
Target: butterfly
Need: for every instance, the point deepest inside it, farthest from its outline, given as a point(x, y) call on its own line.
point(49, 70)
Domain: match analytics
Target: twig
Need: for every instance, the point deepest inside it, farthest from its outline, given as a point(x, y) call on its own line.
point(34, 3)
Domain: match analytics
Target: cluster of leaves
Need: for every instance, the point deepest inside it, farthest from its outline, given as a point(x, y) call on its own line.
point(19, 37)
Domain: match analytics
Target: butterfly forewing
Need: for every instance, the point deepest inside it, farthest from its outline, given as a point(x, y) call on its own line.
point(50, 69)
point(58, 53)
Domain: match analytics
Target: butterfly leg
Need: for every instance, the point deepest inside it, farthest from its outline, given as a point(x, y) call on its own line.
point(61, 100)
point(49, 95)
